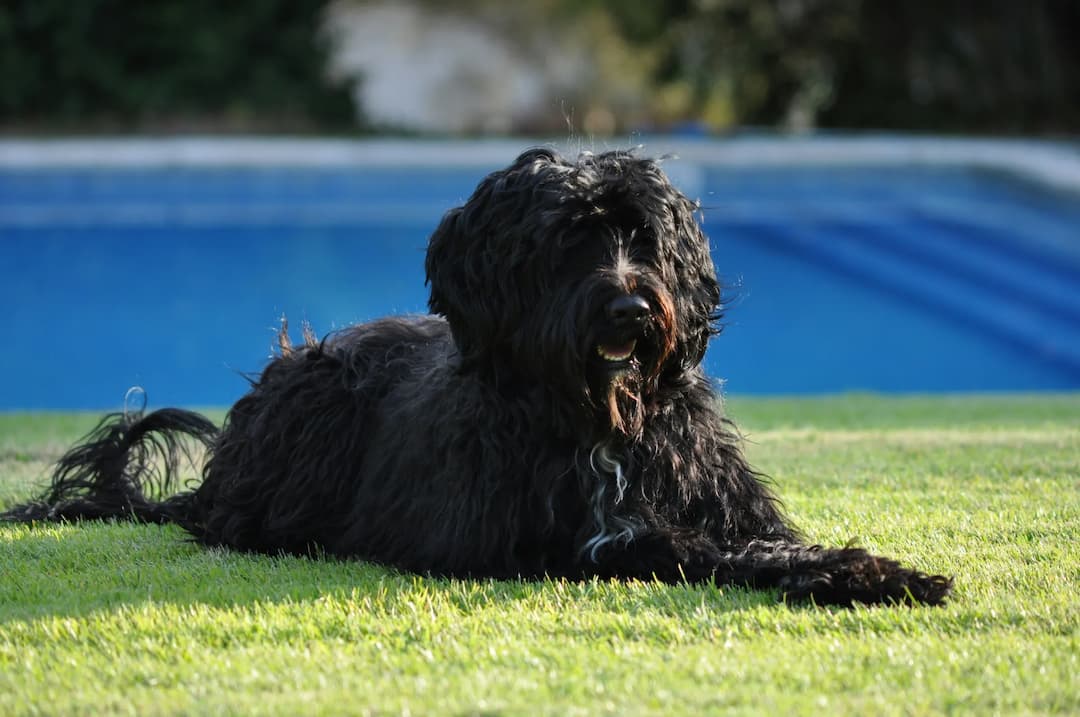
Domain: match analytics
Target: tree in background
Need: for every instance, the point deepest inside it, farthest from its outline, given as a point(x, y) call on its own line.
point(169, 63)
point(948, 65)
point(960, 65)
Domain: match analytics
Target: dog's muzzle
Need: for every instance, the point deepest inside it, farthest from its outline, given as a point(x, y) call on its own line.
point(627, 310)
point(627, 315)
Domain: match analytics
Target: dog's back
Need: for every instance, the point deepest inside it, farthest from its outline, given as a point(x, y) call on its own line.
point(293, 447)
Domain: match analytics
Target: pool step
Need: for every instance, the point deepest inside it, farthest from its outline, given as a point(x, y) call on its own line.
point(1005, 291)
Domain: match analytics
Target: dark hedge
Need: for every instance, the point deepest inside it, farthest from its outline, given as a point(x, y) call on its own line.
point(126, 64)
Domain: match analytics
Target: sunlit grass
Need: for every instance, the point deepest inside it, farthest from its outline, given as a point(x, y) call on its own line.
point(134, 619)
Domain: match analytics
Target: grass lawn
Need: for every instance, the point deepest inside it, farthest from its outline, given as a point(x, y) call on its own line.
point(133, 619)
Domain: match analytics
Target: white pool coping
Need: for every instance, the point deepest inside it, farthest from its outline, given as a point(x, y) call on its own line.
point(1051, 163)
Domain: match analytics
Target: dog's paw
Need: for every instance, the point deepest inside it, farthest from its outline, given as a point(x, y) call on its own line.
point(850, 576)
point(918, 588)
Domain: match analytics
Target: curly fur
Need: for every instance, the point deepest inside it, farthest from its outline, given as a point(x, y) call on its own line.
point(551, 417)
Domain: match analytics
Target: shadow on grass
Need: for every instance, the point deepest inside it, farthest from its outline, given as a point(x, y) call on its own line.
point(76, 570)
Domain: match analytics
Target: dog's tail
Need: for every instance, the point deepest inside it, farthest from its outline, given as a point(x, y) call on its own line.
point(126, 468)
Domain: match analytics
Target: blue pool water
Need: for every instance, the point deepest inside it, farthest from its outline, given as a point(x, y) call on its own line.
point(857, 278)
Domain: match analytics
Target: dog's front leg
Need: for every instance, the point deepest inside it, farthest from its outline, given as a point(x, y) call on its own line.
point(826, 576)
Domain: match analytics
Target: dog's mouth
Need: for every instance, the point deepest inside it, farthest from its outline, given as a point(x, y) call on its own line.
point(616, 353)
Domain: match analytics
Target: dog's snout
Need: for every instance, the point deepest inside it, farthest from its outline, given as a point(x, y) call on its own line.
point(628, 309)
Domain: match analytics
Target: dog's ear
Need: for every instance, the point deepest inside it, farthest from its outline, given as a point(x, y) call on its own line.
point(698, 290)
point(453, 273)
point(686, 264)
point(469, 253)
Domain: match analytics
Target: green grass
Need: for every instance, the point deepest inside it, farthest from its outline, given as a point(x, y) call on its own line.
point(133, 619)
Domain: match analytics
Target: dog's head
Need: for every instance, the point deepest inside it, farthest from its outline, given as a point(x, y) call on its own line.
point(591, 277)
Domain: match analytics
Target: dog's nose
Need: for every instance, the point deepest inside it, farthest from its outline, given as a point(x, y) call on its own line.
point(628, 309)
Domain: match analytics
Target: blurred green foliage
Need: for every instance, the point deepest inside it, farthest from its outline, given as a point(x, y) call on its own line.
point(117, 64)
point(949, 65)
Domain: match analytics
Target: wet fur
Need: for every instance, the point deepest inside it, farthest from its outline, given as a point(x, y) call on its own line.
point(489, 439)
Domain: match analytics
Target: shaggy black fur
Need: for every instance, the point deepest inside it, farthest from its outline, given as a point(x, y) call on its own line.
point(552, 417)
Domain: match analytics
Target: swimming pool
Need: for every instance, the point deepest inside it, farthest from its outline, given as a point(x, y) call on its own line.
point(129, 263)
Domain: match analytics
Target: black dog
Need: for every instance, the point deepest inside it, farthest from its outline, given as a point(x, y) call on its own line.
point(552, 417)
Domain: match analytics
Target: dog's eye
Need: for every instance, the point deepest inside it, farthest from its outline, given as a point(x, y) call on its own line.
point(641, 254)
point(644, 254)
point(585, 254)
